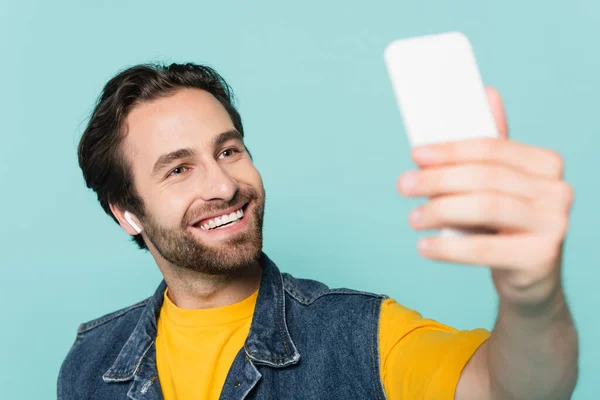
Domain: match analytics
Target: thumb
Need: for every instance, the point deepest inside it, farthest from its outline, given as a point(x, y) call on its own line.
point(495, 101)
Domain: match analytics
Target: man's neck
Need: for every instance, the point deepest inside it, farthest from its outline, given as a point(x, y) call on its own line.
point(194, 290)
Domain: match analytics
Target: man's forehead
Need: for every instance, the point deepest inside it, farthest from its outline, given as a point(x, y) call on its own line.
point(188, 118)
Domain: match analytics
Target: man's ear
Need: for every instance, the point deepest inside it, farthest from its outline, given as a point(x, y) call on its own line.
point(128, 221)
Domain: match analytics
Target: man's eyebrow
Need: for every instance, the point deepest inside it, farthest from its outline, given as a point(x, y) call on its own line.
point(166, 159)
point(226, 136)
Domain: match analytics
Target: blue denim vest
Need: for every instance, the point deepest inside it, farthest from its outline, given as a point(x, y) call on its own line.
point(306, 341)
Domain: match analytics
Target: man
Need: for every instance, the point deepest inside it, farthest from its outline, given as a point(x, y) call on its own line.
point(164, 152)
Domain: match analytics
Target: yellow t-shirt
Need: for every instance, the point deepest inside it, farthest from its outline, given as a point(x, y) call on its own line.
point(420, 358)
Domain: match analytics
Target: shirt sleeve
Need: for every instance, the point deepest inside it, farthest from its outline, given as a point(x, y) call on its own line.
point(421, 358)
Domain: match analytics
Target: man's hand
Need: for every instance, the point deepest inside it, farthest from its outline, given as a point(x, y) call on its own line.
point(513, 189)
point(516, 191)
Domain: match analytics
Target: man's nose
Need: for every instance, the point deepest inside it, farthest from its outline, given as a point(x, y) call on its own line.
point(217, 184)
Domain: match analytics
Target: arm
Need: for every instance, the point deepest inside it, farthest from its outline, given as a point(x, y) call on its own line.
point(517, 192)
point(527, 357)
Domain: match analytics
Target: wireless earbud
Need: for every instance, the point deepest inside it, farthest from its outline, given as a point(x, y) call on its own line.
point(130, 221)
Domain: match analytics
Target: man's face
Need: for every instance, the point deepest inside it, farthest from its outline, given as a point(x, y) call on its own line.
point(203, 197)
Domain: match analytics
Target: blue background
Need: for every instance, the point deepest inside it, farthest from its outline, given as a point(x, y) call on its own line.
point(325, 132)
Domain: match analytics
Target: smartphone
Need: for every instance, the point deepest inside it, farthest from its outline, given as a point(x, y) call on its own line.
point(439, 91)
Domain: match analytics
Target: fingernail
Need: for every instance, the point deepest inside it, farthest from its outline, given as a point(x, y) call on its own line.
point(415, 217)
point(423, 244)
point(427, 154)
point(408, 182)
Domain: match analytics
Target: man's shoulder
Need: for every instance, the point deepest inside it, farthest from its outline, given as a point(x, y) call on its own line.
point(131, 312)
point(308, 291)
point(96, 347)
point(317, 314)
point(108, 331)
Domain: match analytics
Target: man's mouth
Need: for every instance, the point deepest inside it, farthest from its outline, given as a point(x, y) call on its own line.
point(229, 218)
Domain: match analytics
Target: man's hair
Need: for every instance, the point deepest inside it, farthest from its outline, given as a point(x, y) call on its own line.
point(105, 168)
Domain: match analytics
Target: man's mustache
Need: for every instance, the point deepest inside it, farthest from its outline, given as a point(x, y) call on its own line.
point(215, 206)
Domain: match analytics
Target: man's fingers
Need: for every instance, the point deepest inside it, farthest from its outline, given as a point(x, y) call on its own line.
point(495, 101)
point(488, 210)
point(528, 159)
point(509, 252)
point(458, 179)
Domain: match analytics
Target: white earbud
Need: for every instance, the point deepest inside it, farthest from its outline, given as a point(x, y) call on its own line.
point(130, 221)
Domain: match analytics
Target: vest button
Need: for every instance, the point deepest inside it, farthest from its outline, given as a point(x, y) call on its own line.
point(237, 383)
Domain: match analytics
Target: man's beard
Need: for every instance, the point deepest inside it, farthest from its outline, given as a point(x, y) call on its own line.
point(182, 249)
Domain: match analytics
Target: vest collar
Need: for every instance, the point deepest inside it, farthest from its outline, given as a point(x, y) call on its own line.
point(268, 342)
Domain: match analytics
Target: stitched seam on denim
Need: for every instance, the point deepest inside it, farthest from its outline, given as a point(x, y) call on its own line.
point(281, 317)
point(372, 341)
point(127, 374)
point(63, 367)
point(267, 359)
point(379, 388)
point(306, 301)
point(290, 288)
point(297, 296)
point(88, 326)
point(253, 383)
point(274, 359)
point(147, 385)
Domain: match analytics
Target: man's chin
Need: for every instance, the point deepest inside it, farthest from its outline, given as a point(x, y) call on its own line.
point(222, 255)
point(217, 251)
point(225, 259)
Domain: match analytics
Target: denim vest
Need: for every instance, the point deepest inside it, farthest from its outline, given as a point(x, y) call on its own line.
point(306, 341)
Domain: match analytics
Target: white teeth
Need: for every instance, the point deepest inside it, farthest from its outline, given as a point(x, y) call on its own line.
point(222, 220)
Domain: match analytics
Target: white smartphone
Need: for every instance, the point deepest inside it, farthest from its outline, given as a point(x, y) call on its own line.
point(439, 91)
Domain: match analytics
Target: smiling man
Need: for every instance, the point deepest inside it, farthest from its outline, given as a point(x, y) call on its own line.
point(164, 151)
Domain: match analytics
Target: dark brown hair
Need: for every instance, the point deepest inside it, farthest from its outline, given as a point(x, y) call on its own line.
point(105, 168)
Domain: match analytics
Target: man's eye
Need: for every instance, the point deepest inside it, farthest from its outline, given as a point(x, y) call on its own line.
point(177, 171)
point(228, 153)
